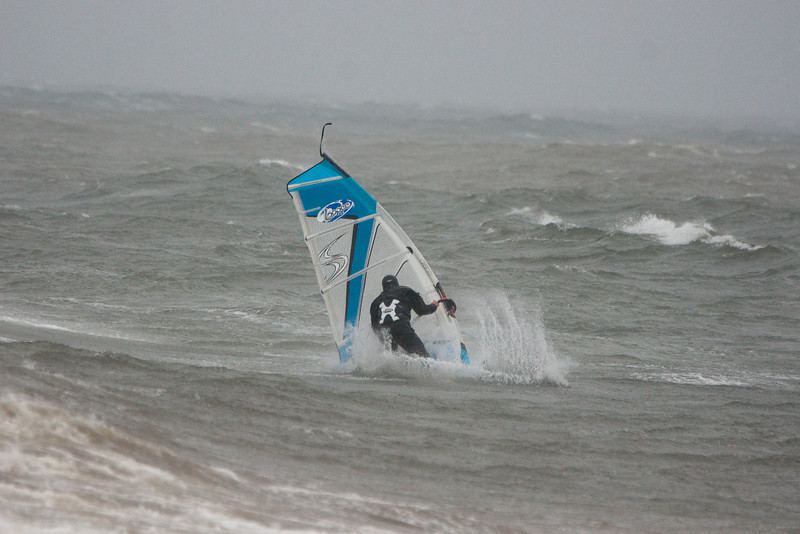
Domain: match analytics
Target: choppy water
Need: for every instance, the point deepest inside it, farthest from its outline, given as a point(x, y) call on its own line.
point(628, 289)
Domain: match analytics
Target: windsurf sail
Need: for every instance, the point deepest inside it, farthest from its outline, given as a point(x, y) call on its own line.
point(354, 243)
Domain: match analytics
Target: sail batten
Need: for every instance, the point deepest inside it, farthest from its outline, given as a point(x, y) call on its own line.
point(315, 182)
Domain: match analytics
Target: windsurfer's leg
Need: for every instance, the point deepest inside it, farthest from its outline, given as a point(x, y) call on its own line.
point(414, 345)
point(408, 339)
point(404, 336)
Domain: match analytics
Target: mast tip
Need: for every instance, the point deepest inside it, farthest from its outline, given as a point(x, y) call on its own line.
point(321, 137)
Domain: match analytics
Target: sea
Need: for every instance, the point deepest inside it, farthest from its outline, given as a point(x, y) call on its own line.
point(627, 286)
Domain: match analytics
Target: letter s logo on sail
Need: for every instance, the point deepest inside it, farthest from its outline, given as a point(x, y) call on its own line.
point(335, 211)
point(337, 261)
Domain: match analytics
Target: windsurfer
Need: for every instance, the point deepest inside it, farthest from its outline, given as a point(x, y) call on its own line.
point(391, 315)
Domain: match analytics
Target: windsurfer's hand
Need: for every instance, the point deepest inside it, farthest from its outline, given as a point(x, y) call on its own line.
point(449, 305)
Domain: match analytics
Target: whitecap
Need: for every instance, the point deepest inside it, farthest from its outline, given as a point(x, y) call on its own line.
point(666, 230)
point(669, 233)
point(731, 241)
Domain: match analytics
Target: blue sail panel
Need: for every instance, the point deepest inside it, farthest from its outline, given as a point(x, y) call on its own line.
point(361, 245)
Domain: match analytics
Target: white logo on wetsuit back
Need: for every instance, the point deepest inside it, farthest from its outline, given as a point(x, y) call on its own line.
point(337, 261)
point(335, 211)
point(389, 311)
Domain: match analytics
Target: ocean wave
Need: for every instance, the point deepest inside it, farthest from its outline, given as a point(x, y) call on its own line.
point(90, 473)
point(65, 462)
point(669, 233)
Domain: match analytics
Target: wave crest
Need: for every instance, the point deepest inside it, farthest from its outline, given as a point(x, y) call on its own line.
point(669, 233)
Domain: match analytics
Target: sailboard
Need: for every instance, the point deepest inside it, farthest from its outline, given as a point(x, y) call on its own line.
point(354, 243)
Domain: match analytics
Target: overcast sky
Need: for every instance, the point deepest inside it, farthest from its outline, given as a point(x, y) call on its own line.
point(676, 57)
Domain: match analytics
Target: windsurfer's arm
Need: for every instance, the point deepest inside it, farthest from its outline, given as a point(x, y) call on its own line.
point(419, 306)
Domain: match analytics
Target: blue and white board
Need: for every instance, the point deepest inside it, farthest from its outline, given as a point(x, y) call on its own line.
point(354, 243)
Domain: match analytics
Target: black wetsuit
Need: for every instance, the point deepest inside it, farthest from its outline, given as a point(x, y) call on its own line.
point(391, 313)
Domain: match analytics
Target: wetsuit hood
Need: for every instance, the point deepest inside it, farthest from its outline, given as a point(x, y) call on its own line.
point(389, 281)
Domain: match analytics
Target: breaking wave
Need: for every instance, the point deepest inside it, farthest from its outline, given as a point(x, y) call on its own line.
point(66, 463)
point(669, 233)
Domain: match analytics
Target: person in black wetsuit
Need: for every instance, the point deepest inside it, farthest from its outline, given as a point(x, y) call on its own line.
point(391, 315)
